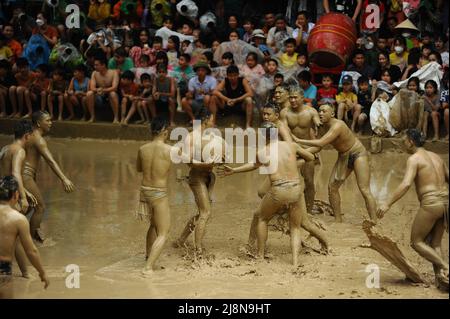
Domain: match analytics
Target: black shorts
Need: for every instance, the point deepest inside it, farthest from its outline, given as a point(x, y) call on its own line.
point(235, 109)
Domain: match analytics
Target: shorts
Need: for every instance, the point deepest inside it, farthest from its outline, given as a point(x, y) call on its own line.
point(162, 107)
point(101, 100)
point(197, 107)
point(285, 192)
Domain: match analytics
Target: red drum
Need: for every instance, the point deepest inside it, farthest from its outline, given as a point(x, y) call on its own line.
point(332, 40)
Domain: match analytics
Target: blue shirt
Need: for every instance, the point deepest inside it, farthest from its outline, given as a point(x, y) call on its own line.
point(201, 89)
point(311, 93)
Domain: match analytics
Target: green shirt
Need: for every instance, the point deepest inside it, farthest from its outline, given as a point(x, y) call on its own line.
point(126, 66)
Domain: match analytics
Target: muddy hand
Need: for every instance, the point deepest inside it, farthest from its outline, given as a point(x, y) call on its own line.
point(45, 280)
point(224, 170)
point(68, 186)
point(382, 210)
point(31, 199)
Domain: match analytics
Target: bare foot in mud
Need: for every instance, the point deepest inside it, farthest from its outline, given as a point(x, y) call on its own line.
point(147, 273)
point(177, 244)
point(441, 279)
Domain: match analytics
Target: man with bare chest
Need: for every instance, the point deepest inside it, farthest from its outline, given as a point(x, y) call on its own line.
point(302, 121)
point(103, 89)
point(35, 149)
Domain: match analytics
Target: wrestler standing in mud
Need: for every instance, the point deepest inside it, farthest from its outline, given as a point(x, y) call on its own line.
point(13, 227)
point(35, 149)
point(285, 190)
point(430, 175)
point(302, 120)
point(12, 158)
point(154, 162)
point(271, 113)
point(201, 179)
point(352, 156)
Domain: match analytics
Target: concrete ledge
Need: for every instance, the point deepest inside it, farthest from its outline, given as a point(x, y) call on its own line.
point(108, 131)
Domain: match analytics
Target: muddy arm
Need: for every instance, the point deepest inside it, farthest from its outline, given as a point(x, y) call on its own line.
point(411, 170)
point(45, 152)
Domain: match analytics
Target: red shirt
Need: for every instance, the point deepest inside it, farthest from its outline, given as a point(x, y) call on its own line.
point(131, 89)
point(16, 48)
point(50, 32)
point(323, 93)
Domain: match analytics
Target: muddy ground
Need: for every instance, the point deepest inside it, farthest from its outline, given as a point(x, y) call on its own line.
point(94, 228)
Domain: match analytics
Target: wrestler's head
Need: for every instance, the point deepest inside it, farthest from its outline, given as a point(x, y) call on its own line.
point(413, 139)
point(42, 120)
point(23, 130)
point(295, 96)
point(9, 190)
point(271, 112)
point(270, 131)
point(326, 113)
point(159, 127)
point(281, 94)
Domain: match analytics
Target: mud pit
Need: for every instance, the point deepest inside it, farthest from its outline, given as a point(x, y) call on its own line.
point(94, 228)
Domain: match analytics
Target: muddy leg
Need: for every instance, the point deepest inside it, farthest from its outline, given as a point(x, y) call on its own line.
point(295, 221)
point(310, 188)
point(268, 207)
point(38, 213)
point(204, 208)
point(333, 193)
point(362, 172)
point(161, 221)
point(150, 239)
point(21, 259)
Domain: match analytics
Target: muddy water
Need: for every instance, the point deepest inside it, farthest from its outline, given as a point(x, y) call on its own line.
point(94, 228)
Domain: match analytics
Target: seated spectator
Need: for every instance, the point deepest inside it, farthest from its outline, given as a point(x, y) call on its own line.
point(304, 27)
point(145, 100)
point(173, 50)
point(271, 68)
point(432, 106)
point(309, 90)
point(56, 90)
point(327, 93)
point(346, 100)
point(359, 64)
point(362, 109)
point(128, 92)
point(370, 52)
point(289, 58)
point(400, 55)
point(120, 61)
point(7, 80)
point(440, 46)
point(227, 59)
point(183, 73)
point(252, 69)
point(278, 34)
point(385, 64)
point(259, 39)
point(302, 61)
point(103, 89)
point(143, 48)
point(249, 27)
point(5, 51)
point(99, 11)
point(200, 89)
point(15, 46)
point(77, 92)
point(444, 102)
point(278, 79)
point(233, 95)
point(144, 62)
point(49, 32)
point(164, 91)
point(20, 94)
point(40, 85)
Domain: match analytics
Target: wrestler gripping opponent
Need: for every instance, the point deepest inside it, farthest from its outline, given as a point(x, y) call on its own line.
point(430, 175)
point(35, 149)
point(154, 162)
point(352, 156)
point(285, 190)
point(201, 178)
point(14, 226)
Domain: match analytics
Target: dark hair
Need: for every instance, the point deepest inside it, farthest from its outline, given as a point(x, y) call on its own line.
point(305, 76)
point(273, 60)
point(145, 77)
point(290, 41)
point(209, 56)
point(58, 71)
point(415, 79)
point(327, 75)
point(232, 69)
point(356, 52)
point(272, 106)
point(304, 13)
point(253, 55)
point(385, 54)
point(4, 64)
point(433, 84)
point(162, 55)
point(363, 79)
point(80, 68)
point(128, 75)
point(438, 56)
point(8, 187)
point(158, 125)
point(228, 55)
point(22, 62)
point(401, 40)
point(43, 68)
point(38, 116)
point(186, 56)
point(145, 57)
point(21, 128)
point(280, 17)
point(101, 59)
point(176, 41)
point(278, 76)
point(441, 37)
point(416, 136)
point(161, 67)
point(157, 39)
point(120, 52)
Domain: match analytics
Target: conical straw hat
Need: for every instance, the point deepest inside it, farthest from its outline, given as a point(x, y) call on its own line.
point(407, 24)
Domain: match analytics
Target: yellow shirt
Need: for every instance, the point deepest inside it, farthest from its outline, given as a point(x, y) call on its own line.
point(341, 97)
point(288, 61)
point(5, 52)
point(400, 61)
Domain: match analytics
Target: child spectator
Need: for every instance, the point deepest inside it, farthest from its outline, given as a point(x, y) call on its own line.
point(302, 61)
point(164, 94)
point(271, 68)
point(444, 102)
point(56, 90)
point(346, 100)
point(20, 94)
point(145, 99)
point(362, 109)
point(76, 93)
point(144, 62)
point(183, 73)
point(431, 107)
point(233, 36)
point(278, 79)
point(129, 92)
point(289, 58)
point(186, 46)
point(400, 56)
point(227, 59)
point(173, 50)
point(309, 90)
point(414, 84)
point(5, 51)
point(39, 86)
point(252, 67)
point(120, 61)
point(327, 93)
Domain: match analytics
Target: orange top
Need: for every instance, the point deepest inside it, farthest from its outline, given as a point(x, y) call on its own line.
point(24, 80)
